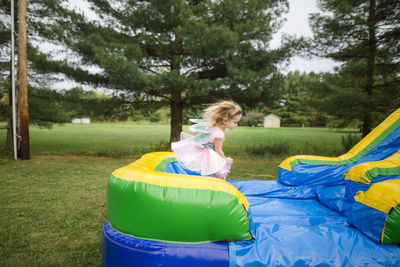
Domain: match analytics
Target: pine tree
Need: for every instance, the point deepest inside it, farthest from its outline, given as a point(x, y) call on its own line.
point(179, 53)
point(39, 95)
point(173, 52)
point(298, 107)
point(365, 37)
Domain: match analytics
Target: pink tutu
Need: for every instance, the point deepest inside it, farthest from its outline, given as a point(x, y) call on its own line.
point(196, 156)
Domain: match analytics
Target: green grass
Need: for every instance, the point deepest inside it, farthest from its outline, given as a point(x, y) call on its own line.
point(115, 140)
point(132, 140)
point(53, 206)
point(52, 210)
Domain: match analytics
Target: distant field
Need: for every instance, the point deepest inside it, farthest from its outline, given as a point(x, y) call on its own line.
point(132, 140)
point(257, 151)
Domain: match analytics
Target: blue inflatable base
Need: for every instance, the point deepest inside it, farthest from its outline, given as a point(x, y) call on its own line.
point(125, 251)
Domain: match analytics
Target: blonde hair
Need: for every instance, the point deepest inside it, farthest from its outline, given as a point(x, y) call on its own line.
point(226, 109)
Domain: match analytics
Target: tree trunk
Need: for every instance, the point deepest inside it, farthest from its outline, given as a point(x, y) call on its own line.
point(367, 123)
point(9, 138)
point(24, 152)
point(176, 97)
point(176, 115)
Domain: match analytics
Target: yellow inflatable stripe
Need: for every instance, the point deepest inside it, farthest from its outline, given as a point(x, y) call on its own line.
point(285, 164)
point(151, 160)
point(381, 196)
point(358, 172)
point(383, 232)
point(142, 170)
point(355, 150)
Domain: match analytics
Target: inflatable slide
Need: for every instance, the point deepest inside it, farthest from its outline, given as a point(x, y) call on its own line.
point(321, 211)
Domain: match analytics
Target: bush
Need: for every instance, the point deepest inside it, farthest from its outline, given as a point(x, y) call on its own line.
point(160, 146)
point(252, 119)
point(155, 117)
point(275, 149)
point(192, 113)
point(350, 140)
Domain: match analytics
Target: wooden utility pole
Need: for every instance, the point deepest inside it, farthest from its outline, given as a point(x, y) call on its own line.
point(24, 152)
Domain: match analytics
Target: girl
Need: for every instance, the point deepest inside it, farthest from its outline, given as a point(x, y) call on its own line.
point(203, 153)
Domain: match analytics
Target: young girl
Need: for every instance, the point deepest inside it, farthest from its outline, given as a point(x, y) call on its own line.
point(203, 153)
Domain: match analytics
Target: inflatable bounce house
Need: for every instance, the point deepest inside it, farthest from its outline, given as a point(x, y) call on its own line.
point(321, 211)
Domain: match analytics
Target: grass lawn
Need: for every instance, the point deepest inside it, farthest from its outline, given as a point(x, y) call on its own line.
point(53, 206)
point(52, 210)
point(133, 140)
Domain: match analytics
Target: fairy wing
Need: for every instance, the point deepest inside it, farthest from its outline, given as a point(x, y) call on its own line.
point(199, 121)
point(201, 138)
point(200, 126)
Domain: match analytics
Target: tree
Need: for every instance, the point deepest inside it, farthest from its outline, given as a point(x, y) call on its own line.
point(252, 118)
point(94, 104)
point(45, 107)
point(178, 53)
point(299, 103)
point(365, 36)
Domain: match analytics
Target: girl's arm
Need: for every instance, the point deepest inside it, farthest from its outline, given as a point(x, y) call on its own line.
point(218, 148)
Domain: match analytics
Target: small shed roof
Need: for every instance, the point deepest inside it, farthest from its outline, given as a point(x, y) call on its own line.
point(273, 115)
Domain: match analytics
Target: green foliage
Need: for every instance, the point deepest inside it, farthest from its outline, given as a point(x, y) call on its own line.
point(364, 36)
point(342, 96)
point(45, 107)
point(161, 146)
point(298, 104)
point(173, 52)
point(146, 115)
point(350, 140)
point(5, 110)
point(155, 117)
point(274, 149)
point(43, 20)
point(95, 105)
point(252, 118)
point(192, 112)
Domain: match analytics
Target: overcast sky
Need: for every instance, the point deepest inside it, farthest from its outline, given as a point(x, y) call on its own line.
point(297, 23)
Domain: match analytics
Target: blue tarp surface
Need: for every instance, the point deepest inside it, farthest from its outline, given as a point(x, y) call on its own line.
point(293, 228)
point(301, 226)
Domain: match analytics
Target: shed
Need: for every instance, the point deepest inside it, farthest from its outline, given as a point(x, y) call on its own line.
point(272, 121)
point(81, 121)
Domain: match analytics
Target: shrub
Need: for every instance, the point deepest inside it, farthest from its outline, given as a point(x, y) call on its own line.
point(252, 119)
point(155, 117)
point(275, 149)
point(161, 146)
point(350, 140)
